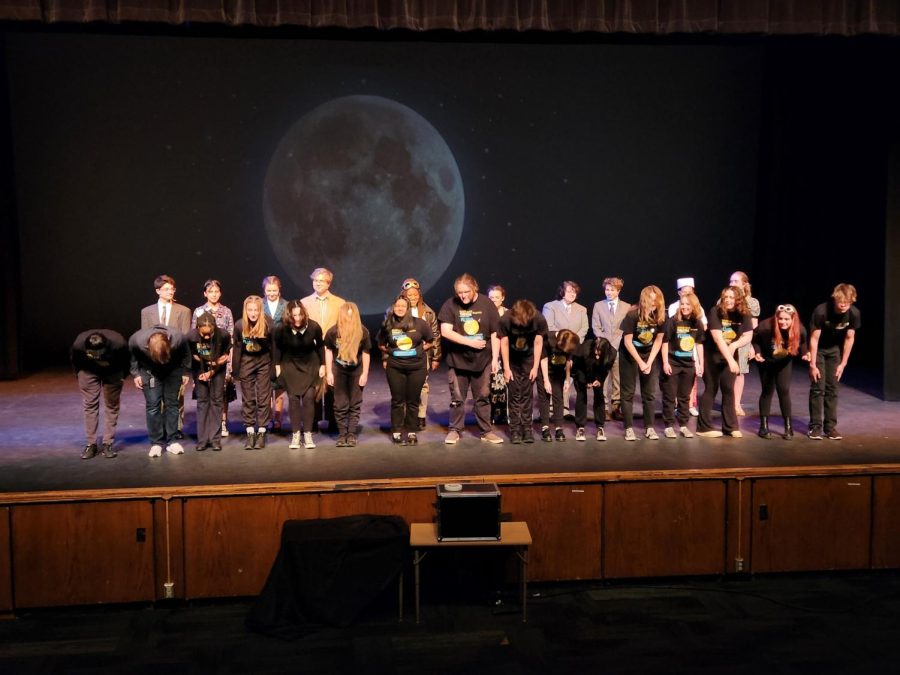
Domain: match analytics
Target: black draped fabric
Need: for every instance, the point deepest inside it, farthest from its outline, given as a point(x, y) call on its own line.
point(328, 572)
point(662, 17)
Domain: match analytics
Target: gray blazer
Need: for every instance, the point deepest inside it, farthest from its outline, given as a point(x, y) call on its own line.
point(607, 325)
point(558, 318)
point(180, 319)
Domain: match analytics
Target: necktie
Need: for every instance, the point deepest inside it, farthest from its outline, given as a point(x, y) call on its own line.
point(612, 307)
point(322, 308)
point(165, 315)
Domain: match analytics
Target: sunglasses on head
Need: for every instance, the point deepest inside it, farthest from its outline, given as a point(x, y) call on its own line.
point(790, 309)
point(410, 283)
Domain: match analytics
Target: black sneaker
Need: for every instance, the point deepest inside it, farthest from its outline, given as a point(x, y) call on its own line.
point(515, 437)
point(528, 435)
point(560, 436)
point(89, 452)
point(546, 435)
point(833, 435)
point(108, 451)
point(815, 433)
point(412, 439)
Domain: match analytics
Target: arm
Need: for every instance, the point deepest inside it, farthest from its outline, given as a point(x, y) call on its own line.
point(538, 349)
point(596, 326)
point(629, 347)
point(849, 339)
point(814, 373)
point(329, 363)
point(583, 326)
point(667, 368)
point(364, 377)
point(725, 350)
point(698, 360)
point(657, 343)
point(495, 353)
point(504, 352)
point(545, 373)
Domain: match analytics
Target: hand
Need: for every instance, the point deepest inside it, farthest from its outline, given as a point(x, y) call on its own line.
point(321, 372)
point(384, 364)
point(733, 367)
point(329, 378)
point(699, 370)
point(807, 357)
point(508, 374)
point(203, 377)
point(477, 344)
point(532, 374)
point(814, 373)
point(645, 367)
point(667, 369)
point(138, 382)
point(547, 386)
point(435, 364)
point(757, 357)
point(495, 367)
point(839, 371)
point(363, 379)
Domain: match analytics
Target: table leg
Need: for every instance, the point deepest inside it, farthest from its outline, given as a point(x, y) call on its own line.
point(523, 564)
point(418, 557)
point(400, 599)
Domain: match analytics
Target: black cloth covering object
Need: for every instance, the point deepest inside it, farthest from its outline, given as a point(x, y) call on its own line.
point(327, 572)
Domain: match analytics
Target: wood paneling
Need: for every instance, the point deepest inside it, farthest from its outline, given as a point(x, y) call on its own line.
point(6, 594)
point(886, 522)
point(811, 523)
point(738, 530)
point(564, 521)
point(414, 506)
point(664, 528)
point(67, 554)
point(168, 546)
point(230, 542)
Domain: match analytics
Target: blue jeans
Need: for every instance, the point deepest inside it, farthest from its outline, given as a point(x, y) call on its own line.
point(161, 396)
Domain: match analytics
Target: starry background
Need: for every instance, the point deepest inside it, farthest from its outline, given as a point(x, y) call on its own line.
point(142, 155)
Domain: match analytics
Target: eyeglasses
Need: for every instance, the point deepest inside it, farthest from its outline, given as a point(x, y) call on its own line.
point(790, 309)
point(410, 283)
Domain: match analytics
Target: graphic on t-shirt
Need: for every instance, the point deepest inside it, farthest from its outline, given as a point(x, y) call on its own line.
point(403, 344)
point(470, 324)
point(686, 342)
point(521, 343)
point(557, 359)
point(204, 349)
point(643, 335)
point(251, 346)
point(728, 333)
point(778, 352)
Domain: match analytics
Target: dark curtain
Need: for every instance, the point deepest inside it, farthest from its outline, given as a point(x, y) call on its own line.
point(826, 17)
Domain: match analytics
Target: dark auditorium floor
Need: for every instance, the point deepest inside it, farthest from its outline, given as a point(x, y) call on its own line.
point(42, 439)
point(821, 623)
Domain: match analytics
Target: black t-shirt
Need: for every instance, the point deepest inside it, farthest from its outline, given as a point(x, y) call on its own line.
point(112, 361)
point(733, 325)
point(521, 338)
point(478, 319)
point(204, 351)
point(556, 358)
point(833, 324)
point(405, 347)
point(682, 335)
point(764, 341)
point(643, 333)
point(333, 342)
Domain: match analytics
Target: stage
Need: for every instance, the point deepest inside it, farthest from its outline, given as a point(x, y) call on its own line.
point(208, 524)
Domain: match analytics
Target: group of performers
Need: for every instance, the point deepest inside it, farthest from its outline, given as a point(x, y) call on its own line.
point(316, 352)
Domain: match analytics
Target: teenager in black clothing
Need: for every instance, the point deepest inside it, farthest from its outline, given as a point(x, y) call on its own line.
point(347, 347)
point(682, 362)
point(591, 364)
point(523, 331)
point(210, 349)
point(776, 341)
point(558, 351)
point(252, 362)
point(641, 341)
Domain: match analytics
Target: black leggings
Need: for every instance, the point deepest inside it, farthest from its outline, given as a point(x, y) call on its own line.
point(775, 376)
point(406, 392)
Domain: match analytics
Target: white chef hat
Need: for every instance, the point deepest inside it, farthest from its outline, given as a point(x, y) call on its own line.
point(684, 281)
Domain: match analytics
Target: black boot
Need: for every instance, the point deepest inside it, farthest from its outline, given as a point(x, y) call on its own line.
point(251, 441)
point(764, 427)
point(260, 442)
point(788, 429)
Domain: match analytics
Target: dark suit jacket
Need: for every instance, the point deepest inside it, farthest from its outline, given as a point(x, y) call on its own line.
point(180, 319)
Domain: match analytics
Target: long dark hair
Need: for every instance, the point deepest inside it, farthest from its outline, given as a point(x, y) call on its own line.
point(391, 321)
point(287, 319)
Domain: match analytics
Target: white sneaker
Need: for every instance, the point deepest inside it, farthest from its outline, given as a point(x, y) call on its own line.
point(308, 441)
point(155, 451)
point(579, 434)
point(175, 448)
point(295, 441)
point(687, 433)
point(601, 434)
point(224, 428)
point(669, 432)
point(737, 433)
point(629, 434)
point(651, 434)
point(694, 412)
point(712, 433)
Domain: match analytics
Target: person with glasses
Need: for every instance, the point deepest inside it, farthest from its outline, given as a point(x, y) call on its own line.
point(469, 324)
point(776, 341)
point(322, 306)
point(831, 337)
point(730, 329)
point(412, 290)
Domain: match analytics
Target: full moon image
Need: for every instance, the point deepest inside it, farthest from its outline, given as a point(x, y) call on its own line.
point(366, 187)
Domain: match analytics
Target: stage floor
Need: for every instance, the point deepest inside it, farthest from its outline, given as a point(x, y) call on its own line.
point(43, 430)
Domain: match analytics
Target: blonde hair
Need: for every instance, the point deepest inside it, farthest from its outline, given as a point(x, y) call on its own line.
point(696, 308)
point(350, 331)
point(652, 311)
point(845, 292)
point(257, 330)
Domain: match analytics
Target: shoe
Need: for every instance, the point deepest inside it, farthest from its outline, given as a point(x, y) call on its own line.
point(308, 441)
point(740, 411)
point(559, 435)
point(629, 434)
point(567, 414)
point(737, 433)
point(833, 435)
point(815, 433)
point(545, 434)
point(351, 440)
point(155, 451)
point(687, 433)
point(764, 428)
point(651, 434)
point(669, 432)
point(250, 443)
point(601, 434)
point(295, 441)
point(225, 428)
point(452, 437)
point(341, 442)
point(108, 451)
point(515, 437)
point(260, 441)
point(579, 434)
point(528, 435)
point(412, 439)
point(178, 436)
point(711, 433)
point(216, 447)
point(491, 437)
point(421, 423)
point(397, 438)
point(276, 424)
point(201, 447)
point(175, 448)
point(89, 452)
point(788, 429)
point(693, 411)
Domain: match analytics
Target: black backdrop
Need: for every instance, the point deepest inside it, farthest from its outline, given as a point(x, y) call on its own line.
point(579, 160)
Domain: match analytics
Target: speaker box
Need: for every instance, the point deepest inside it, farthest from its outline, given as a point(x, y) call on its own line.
point(468, 512)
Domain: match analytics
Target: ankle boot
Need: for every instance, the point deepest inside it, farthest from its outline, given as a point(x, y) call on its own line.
point(251, 441)
point(788, 429)
point(764, 428)
point(260, 441)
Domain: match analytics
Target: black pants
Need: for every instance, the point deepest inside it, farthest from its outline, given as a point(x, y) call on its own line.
point(406, 392)
point(347, 398)
point(557, 381)
point(715, 376)
point(210, 402)
point(460, 381)
point(256, 390)
point(629, 374)
point(823, 395)
point(775, 376)
point(676, 389)
point(581, 397)
point(302, 406)
point(521, 395)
